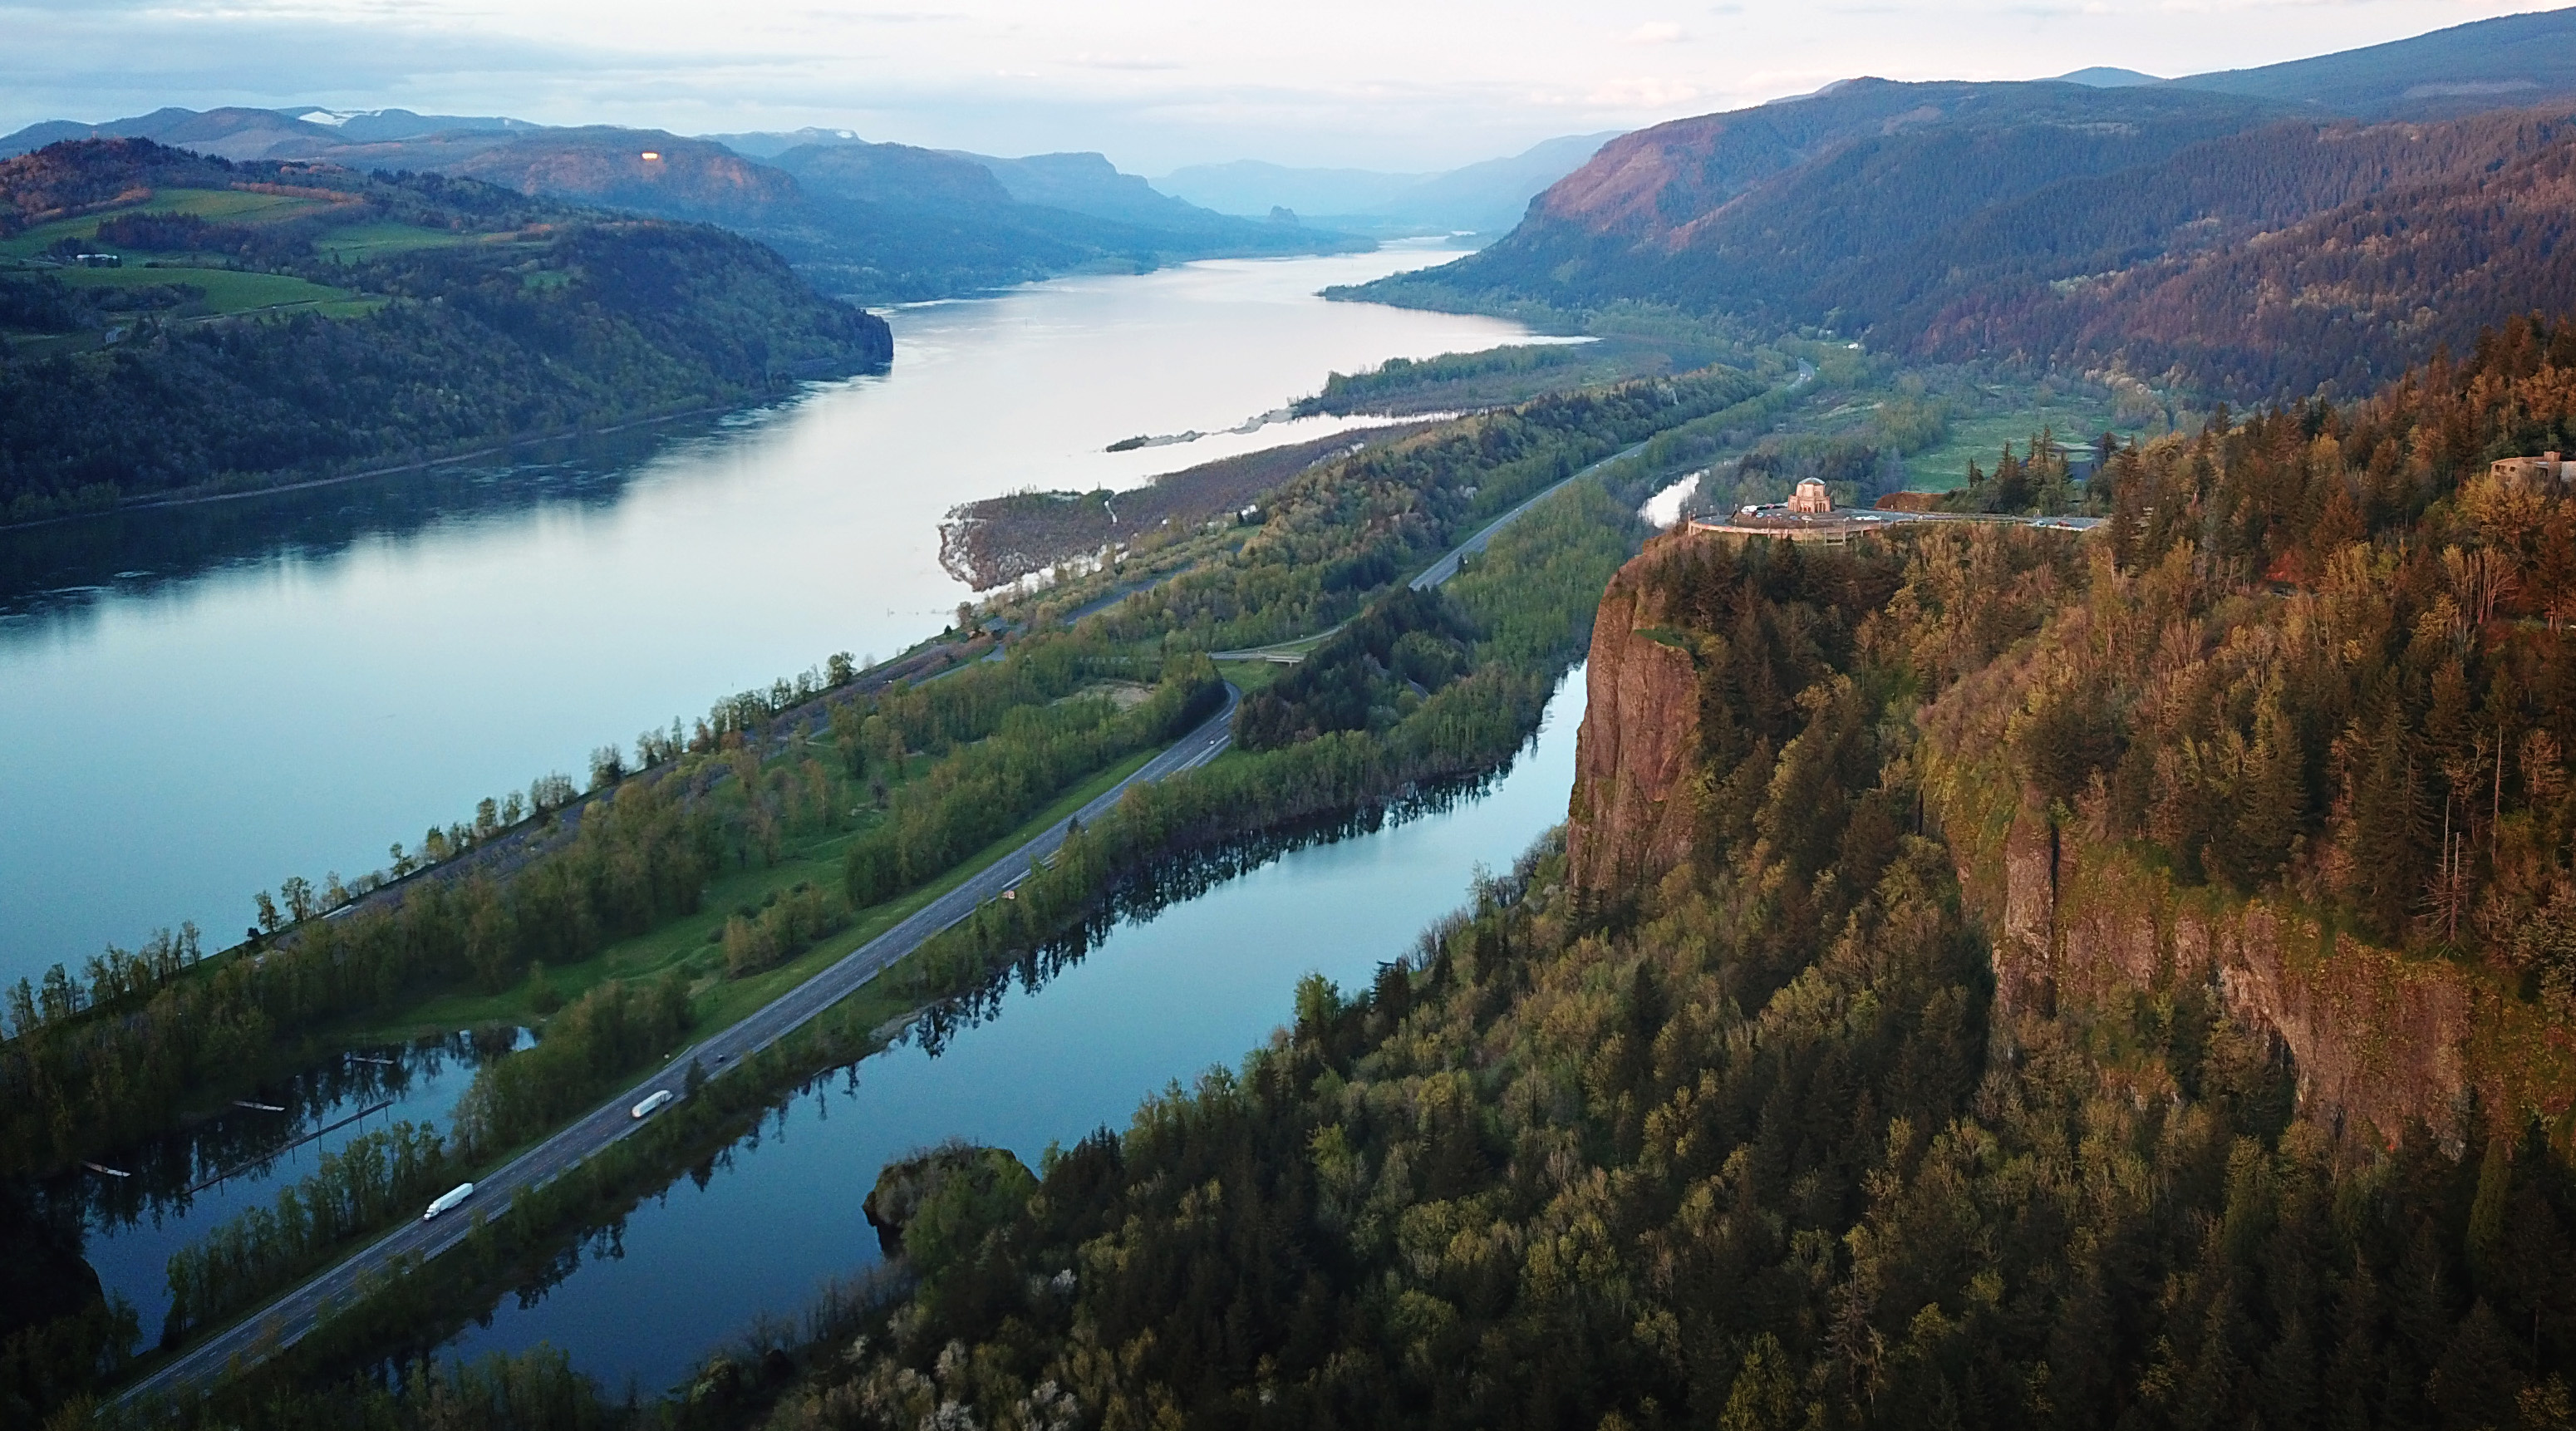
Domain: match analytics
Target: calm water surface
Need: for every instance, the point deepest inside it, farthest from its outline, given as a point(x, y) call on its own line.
point(1156, 1001)
point(193, 1179)
point(196, 706)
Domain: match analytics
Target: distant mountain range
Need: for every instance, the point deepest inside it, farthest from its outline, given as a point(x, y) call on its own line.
point(1488, 197)
point(872, 222)
point(2256, 233)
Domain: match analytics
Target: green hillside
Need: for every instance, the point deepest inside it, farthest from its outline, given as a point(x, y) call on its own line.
point(287, 322)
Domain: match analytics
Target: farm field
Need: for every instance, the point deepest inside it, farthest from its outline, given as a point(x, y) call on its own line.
point(1979, 436)
point(227, 290)
point(212, 205)
point(357, 241)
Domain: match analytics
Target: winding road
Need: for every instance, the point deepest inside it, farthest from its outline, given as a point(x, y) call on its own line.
point(287, 1319)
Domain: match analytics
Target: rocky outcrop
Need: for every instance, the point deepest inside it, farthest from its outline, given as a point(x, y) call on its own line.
point(907, 1185)
point(1636, 762)
point(2381, 1040)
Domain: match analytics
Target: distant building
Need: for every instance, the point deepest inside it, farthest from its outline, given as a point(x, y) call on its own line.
point(1812, 499)
point(2532, 473)
point(99, 260)
point(2079, 458)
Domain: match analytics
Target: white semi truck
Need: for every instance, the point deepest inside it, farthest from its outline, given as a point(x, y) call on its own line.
point(448, 1200)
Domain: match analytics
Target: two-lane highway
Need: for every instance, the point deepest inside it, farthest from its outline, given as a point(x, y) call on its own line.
point(291, 1316)
point(288, 1318)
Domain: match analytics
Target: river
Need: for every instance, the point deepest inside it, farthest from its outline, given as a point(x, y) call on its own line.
point(202, 701)
point(1158, 1000)
point(177, 1187)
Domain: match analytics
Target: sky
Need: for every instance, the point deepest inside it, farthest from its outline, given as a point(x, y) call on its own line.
point(1405, 85)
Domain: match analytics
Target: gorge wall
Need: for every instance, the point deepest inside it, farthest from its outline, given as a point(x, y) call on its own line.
point(1637, 758)
point(2381, 1040)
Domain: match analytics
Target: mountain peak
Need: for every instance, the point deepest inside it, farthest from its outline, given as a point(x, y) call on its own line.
point(2107, 77)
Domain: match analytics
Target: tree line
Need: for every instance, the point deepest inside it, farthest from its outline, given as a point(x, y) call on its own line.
point(1738, 1142)
point(2321, 653)
point(1333, 537)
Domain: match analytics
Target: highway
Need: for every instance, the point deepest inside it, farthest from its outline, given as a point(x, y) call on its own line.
point(287, 1319)
point(291, 1316)
point(1447, 567)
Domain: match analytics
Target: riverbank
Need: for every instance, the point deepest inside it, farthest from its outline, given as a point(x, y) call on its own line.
point(1469, 727)
point(185, 497)
point(344, 649)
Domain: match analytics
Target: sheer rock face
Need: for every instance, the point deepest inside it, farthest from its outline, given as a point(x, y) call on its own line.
point(1636, 760)
point(2380, 1041)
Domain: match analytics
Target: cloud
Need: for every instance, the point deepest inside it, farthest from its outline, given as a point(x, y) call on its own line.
point(1659, 32)
point(1123, 62)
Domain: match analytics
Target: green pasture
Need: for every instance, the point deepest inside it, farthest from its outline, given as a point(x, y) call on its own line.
point(356, 241)
point(689, 943)
point(227, 290)
point(212, 205)
point(1979, 437)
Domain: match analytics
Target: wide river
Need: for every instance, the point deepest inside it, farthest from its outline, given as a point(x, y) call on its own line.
point(199, 702)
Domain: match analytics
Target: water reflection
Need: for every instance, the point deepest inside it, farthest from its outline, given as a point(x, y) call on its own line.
point(1165, 994)
point(177, 1186)
point(61, 569)
point(204, 700)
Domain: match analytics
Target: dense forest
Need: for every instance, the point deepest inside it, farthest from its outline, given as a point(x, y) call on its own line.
point(1751, 1139)
point(491, 317)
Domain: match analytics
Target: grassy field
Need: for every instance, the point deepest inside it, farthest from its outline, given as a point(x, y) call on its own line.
point(228, 293)
point(227, 290)
point(1980, 437)
point(356, 241)
point(1250, 676)
point(212, 205)
point(687, 943)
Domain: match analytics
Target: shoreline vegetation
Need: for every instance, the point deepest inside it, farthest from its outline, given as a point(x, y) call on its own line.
point(994, 542)
point(746, 789)
point(185, 497)
point(430, 318)
point(1778, 1126)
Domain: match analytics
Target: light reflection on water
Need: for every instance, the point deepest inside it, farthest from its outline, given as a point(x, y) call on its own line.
point(1156, 1001)
point(202, 701)
point(193, 1179)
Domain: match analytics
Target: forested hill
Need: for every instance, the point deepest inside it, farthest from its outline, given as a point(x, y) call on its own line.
point(874, 223)
point(1995, 978)
point(2054, 223)
point(271, 322)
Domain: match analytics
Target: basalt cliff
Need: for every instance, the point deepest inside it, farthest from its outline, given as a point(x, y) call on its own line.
point(2383, 1039)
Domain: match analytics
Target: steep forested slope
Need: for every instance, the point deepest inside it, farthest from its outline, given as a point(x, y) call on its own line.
point(322, 323)
point(2136, 228)
point(2475, 229)
point(1802, 1088)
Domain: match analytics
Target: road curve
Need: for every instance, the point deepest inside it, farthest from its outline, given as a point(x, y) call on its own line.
point(287, 1319)
point(1447, 567)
